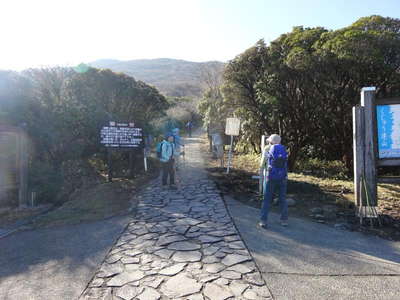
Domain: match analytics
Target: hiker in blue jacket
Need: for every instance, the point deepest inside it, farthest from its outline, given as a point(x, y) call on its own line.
point(167, 149)
point(275, 179)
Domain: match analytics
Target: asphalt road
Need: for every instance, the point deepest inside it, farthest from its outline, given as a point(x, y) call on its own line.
point(308, 260)
point(55, 263)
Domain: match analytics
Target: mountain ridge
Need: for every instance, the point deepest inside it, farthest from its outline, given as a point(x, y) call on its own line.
point(173, 77)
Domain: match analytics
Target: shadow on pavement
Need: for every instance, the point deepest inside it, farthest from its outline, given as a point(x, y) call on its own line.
point(54, 263)
point(330, 262)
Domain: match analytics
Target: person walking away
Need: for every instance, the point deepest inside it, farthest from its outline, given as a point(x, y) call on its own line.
point(167, 160)
point(264, 159)
point(276, 179)
point(189, 126)
point(178, 147)
point(169, 125)
point(218, 148)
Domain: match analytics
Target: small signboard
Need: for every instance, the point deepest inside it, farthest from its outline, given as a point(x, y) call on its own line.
point(121, 135)
point(388, 123)
point(232, 126)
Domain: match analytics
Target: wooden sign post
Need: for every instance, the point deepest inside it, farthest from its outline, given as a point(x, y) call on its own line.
point(376, 142)
point(358, 153)
point(364, 153)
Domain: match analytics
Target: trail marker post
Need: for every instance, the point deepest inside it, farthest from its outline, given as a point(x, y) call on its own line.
point(232, 128)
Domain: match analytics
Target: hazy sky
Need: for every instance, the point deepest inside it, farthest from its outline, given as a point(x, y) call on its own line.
point(68, 32)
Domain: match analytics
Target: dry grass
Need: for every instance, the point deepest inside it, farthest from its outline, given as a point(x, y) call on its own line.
point(8, 216)
point(98, 202)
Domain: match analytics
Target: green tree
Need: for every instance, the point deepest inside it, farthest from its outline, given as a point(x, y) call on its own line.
point(304, 84)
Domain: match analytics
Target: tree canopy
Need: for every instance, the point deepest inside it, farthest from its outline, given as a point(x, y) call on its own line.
point(62, 112)
point(304, 84)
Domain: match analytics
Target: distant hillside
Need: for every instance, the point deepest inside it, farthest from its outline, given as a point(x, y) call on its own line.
point(172, 77)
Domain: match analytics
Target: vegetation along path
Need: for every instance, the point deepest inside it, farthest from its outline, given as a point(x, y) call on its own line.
point(182, 244)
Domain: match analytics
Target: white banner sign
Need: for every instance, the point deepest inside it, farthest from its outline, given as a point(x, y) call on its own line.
point(232, 126)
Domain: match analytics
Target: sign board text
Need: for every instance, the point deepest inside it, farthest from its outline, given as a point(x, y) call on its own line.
point(388, 123)
point(121, 135)
point(232, 126)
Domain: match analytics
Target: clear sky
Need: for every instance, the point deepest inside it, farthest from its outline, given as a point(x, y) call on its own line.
point(67, 32)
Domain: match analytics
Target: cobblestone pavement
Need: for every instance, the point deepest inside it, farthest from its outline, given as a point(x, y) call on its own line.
point(182, 244)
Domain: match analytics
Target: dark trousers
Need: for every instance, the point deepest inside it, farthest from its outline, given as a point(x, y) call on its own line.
point(270, 186)
point(168, 169)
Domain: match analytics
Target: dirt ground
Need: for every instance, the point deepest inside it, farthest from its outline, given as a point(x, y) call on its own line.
point(90, 202)
point(323, 200)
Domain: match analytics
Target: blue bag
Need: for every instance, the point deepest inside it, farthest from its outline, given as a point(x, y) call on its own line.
point(277, 158)
point(159, 149)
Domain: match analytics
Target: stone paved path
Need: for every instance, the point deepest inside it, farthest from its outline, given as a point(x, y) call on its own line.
point(181, 245)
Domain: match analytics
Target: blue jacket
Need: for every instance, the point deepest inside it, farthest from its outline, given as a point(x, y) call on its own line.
point(167, 151)
point(277, 162)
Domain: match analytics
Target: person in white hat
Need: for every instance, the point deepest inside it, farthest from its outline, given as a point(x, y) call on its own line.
point(275, 179)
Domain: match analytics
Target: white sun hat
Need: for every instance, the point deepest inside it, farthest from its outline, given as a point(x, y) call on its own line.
point(274, 139)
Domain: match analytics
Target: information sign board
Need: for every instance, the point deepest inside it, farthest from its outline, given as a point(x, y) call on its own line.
point(121, 135)
point(232, 126)
point(388, 123)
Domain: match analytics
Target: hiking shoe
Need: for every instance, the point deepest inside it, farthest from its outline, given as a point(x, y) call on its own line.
point(173, 187)
point(284, 223)
point(262, 225)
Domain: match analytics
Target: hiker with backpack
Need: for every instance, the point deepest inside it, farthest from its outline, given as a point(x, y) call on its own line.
point(189, 126)
point(165, 152)
point(275, 179)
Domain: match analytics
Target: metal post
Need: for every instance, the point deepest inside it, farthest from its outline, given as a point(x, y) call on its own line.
point(145, 159)
point(109, 162)
point(230, 156)
point(262, 143)
point(33, 197)
point(131, 174)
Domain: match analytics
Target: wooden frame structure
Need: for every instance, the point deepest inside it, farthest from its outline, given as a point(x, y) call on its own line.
point(21, 162)
point(365, 150)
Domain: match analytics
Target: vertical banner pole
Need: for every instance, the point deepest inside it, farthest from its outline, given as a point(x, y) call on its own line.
point(230, 156)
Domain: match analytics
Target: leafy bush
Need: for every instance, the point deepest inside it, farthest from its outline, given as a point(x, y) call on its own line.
point(63, 112)
point(45, 181)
